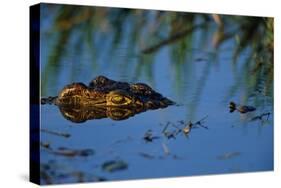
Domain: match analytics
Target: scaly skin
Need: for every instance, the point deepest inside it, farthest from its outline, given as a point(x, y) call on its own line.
point(106, 98)
point(103, 92)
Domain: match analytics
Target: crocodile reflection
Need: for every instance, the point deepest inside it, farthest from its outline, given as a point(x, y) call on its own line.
point(106, 98)
point(80, 115)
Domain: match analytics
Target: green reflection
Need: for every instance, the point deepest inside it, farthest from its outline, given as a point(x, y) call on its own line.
point(102, 34)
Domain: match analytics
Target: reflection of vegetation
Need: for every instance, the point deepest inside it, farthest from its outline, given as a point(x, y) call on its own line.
point(128, 43)
point(110, 32)
point(53, 173)
point(256, 35)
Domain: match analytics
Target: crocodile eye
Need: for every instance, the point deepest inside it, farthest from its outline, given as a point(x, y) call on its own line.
point(117, 99)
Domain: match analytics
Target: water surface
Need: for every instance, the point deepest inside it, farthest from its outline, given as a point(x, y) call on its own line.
point(200, 78)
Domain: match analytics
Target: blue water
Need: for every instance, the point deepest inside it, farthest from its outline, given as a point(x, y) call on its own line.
point(201, 88)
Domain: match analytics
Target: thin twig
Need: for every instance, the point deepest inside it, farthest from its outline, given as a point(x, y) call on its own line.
point(200, 122)
point(166, 149)
point(166, 126)
point(66, 135)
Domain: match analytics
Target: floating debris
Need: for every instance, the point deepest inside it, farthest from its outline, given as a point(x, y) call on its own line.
point(68, 152)
point(66, 135)
point(178, 129)
point(48, 100)
point(146, 155)
point(166, 126)
point(232, 105)
point(115, 165)
point(260, 117)
point(49, 172)
point(197, 123)
point(170, 134)
point(200, 122)
point(165, 149)
point(228, 155)
point(240, 108)
point(182, 126)
point(53, 172)
point(186, 130)
point(45, 145)
point(74, 152)
point(148, 136)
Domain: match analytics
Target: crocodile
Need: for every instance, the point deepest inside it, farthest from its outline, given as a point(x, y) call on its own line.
point(104, 97)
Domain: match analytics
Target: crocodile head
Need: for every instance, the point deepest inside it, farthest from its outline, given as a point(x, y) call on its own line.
point(122, 98)
point(105, 92)
point(78, 94)
point(106, 98)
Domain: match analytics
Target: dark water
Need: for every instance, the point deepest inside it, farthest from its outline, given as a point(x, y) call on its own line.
point(198, 77)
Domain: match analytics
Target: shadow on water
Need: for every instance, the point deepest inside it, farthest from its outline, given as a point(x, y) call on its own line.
point(201, 61)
